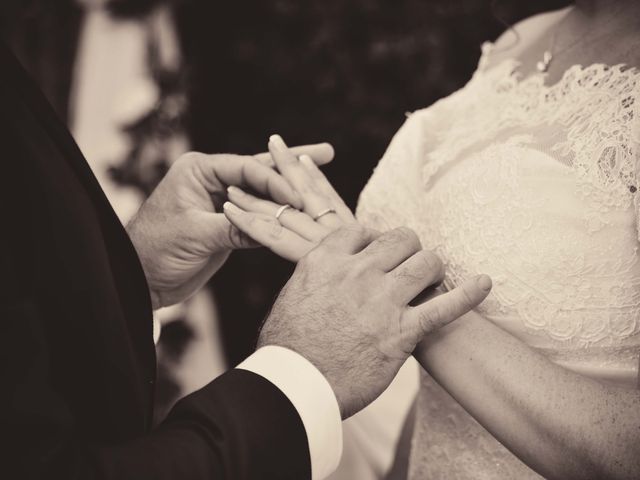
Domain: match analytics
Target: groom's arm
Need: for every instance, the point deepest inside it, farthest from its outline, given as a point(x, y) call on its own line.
point(275, 416)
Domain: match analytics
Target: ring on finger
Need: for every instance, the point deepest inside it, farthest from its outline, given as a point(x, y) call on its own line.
point(324, 212)
point(281, 210)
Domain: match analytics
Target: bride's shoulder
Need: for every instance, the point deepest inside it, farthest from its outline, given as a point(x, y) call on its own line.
point(519, 36)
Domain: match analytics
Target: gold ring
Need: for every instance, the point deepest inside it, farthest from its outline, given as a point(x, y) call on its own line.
point(323, 213)
point(281, 210)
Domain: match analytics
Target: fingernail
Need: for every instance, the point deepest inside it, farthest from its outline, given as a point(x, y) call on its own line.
point(304, 158)
point(231, 208)
point(484, 282)
point(277, 142)
point(234, 190)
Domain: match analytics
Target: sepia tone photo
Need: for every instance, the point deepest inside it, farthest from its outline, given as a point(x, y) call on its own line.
point(343, 240)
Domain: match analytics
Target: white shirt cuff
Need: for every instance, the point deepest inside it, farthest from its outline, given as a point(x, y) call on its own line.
point(311, 395)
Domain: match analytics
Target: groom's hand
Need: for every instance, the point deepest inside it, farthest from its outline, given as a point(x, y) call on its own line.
point(346, 309)
point(179, 235)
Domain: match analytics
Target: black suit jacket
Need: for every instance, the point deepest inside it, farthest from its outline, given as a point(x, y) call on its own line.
point(77, 360)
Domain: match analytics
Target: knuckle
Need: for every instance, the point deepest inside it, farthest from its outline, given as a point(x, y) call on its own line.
point(248, 220)
point(236, 238)
point(254, 165)
point(315, 173)
point(317, 255)
point(409, 236)
point(250, 202)
point(288, 156)
point(356, 268)
point(251, 160)
point(429, 319)
point(250, 164)
point(400, 235)
point(262, 159)
point(353, 230)
point(432, 262)
point(366, 233)
point(189, 157)
point(273, 228)
point(308, 185)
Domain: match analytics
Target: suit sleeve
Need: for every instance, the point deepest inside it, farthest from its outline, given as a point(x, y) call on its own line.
point(312, 396)
point(240, 426)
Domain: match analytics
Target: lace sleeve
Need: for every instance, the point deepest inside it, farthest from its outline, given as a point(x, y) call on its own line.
point(394, 193)
point(383, 202)
point(380, 206)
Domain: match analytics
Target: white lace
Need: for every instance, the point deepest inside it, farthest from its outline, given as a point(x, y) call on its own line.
point(536, 186)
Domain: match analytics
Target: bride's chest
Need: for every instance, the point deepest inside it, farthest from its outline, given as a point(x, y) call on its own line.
point(562, 253)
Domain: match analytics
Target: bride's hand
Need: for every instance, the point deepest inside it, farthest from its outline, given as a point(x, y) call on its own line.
point(288, 232)
point(292, 233)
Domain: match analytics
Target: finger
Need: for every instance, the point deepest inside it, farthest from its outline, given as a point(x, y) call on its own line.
point(392, 248)
point(326, 216)
point(221, 234)
point(321, 153)
point(445, 308)
point(413, 276)
point(268, 232)
point(246, 171)
point(314, 201)
point(292, 219)
point(349, 239)
point(325, 186)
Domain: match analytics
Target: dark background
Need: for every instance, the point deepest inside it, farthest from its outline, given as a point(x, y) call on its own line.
point(343, 71)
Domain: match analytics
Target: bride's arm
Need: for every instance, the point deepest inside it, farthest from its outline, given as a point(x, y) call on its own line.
point(562, 424)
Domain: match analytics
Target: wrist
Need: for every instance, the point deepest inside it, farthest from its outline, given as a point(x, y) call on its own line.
point(134, 234)
point(156, 303)
point(463, 326)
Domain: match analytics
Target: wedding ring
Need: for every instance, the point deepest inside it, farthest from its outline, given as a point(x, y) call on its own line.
point(281, 210)
point(323, 213)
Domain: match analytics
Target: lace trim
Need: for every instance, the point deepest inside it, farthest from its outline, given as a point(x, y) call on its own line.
point(585, 290)
point(596, 106)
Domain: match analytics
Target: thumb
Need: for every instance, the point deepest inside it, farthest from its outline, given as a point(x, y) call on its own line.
point(222, 235)
point(445, 308)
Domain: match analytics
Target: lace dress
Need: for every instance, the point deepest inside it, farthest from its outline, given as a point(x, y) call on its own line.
point(537, 187)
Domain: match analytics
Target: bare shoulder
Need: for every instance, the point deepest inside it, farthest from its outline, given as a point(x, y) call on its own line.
point(517, 38)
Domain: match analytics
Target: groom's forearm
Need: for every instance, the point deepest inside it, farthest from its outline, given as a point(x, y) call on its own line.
point(560, 423)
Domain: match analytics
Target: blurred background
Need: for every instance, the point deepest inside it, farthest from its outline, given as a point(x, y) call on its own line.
point(141, 81)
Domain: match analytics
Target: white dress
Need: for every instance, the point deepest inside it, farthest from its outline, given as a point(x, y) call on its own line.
point(537, 187)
